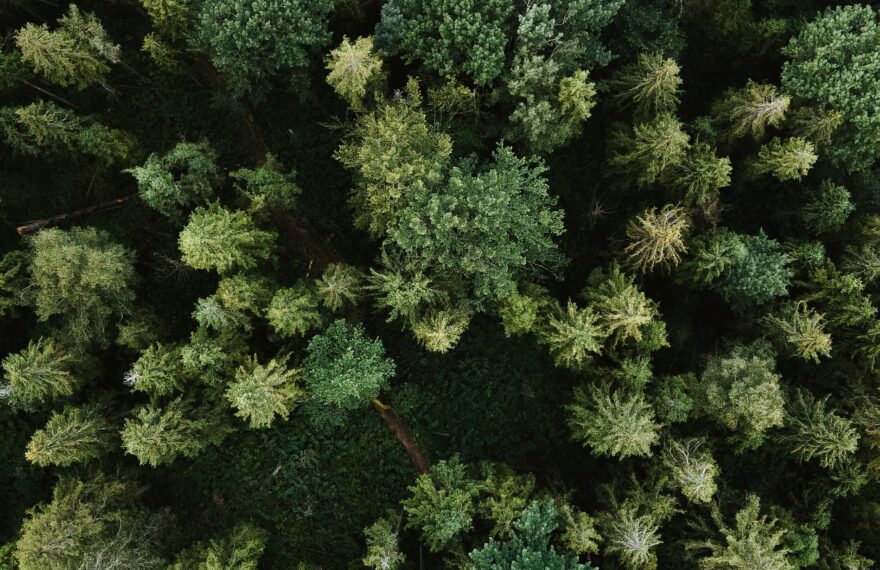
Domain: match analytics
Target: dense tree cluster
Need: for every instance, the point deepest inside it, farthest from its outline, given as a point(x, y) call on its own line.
point(466, 284)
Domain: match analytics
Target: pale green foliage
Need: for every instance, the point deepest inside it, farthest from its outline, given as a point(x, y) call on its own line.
point(576, 99)
point(441, 503)
point(82, 278)
point(489, 226)
point(269, 186)
point(76, 53)
point(261, 392)
point(44, 126)
point(579, 530)
point(613, 423)
point(170, 17)
point(160, 52)
point(828, 208)
point(403, 293)
point(691, 468)
point(294, 311)
point(651, 84)
point(354, 67)
point(452, 99)
point(573, 336)
point(522, 311)
point(216, 238)
point(816, 433)
point(41, 371)
point(382, 549)
point(451, 37)
point(75, 435)
point(439, 330)
point(712, 254)
point(245, 292)
point(339, 285)
point(396, 155)
point(623, 310)
point(157, 436)
point(816, 124)
point(656, 238)
point(210, 313)
point(834, 61)
point(788, 160)
point(507, 494)
point(750, 110)
point(88, 525)
point(650, 149)
point(700, 176)
point(802, 329)
point(251, 42)
point(183, 176)
point(241, 549)
point(754, 543)
point(157, 371)
point(740, 390)
point(633, 538)
point(211, 360)
point(344, 369)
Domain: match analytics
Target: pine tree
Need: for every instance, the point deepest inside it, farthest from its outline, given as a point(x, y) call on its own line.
point(185, 175)
point(294, 311)
point(815, 433)
point(656, 238)
point(41, 371)
point(828, 209)
point(613, 423)
point(157, 436)
point(506, 496)
point(789, 160)
point(339, 285)
point(750, 110)
point(700, 176)
point(403, 293)
point(523, 311)
point(170, 17)
point(216, 238)
point(650, 149)
point(573, 336)
point(354, 69)
point(75, 435)
point(259, 392)
point(652, 85)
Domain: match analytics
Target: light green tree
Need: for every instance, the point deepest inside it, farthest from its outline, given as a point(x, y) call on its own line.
point(623, 310)
point(216, 238)
point(74, 435)
point(260, 392)
point(656, 238)
point(573, 336)
point(613, 423)
point(41, 371)
point(802, 329)
point(812, 432)
point(294, 311)
point(340, 285)
point(170, 17)
point(691, 468)
point(649, 149)
point(383, 552)
point(439, 330)
point(633, 538)
point(185, 175)
point(269, 187)
point(750, 110)
point(700, 176)
point(157, 371)
point(355, 68)
point(788, 160)
point(652, 85)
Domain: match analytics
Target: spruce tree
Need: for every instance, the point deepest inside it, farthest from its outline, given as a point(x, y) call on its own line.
point(39, 372)
point(260, 392)
point(650, 149)
point(613, 422)
point(75, 435)
point(652, 85)
point(355, 69)
point(217, 238)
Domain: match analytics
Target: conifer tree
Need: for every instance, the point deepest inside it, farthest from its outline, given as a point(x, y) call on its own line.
point(692, 469)
point(402, 292)
point(650, 149)
point(157, 436)
point(652, 85)
point(828, 209)
point(339, 285)
point(355, 69)
point(439, 330)
point(523, 311)
point(216, 238)
point(656, 238)
point(183, 176)
point(633, 538)
point(573, 336)
point(802, 329)
point(170, 17)
point(156, 371)
point(382, 546)
point(700, 176)
point(259, 393)
point(623, 310)
point(816, 433)
point(294, 311)
point(750, 110)
point(41, 371)
point(789, 160)
point(613, 423)
point(75, 435)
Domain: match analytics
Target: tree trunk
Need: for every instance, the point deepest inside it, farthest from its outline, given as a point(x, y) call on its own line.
point(35, 225)
point(403, 435)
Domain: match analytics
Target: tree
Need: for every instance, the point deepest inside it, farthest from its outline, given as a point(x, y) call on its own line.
point(692, 469)
point(756, 277)
point(754, 543)
point(81, 278)
point(700, 176)
point(405, 293)
point(450, 37)
point(815, 433)
point(41, 371)
point(828, 209)
point(441, 503)
point(157, 436)
point(523, 311)
point(789, 160)
point(253, 43)
point(750, 110)
point(803, 330)
point(268, 187)
point(652, 85)
point(343, 369)
point(89, 524)
point(185, 175)
point(650, 149)
point(656, 238)
point(216, 238)
point(396, 155)
point(170, 17)
point(354, 69)
point(259, 392)
point(240, 549)
point(382, 549)
point(75, 435)
point(740, 390)
point(76, 53)
point(489, 226)
point(613, 423)
point(633, 538)
point(506, 496)
point(157, 371)
point(624, 311)
point(529, 545)
point(439, 330)
point(573, 336)
point(294, 311)
point(339, 285)
point(832, 62)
